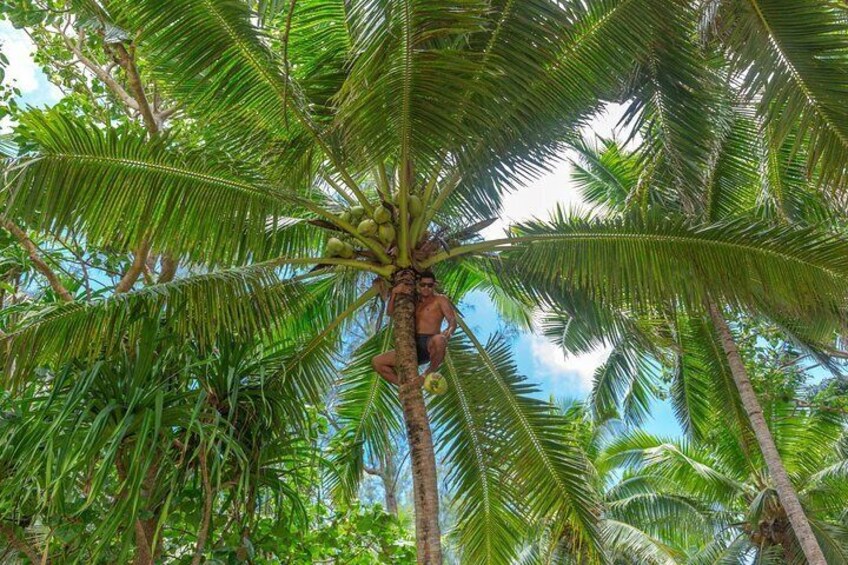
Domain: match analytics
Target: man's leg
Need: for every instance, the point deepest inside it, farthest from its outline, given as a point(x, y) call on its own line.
point(384, 364)
point(437, 345)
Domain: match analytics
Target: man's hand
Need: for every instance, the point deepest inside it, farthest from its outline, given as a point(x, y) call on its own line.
point(447, 333)
point(402, 289)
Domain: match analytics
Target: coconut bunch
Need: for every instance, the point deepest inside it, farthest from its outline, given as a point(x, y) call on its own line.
point(378, 226)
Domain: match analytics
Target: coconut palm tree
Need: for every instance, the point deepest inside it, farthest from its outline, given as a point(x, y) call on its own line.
point(749, 519)
point(735, 185)
point(644, 521)
point(412, 119)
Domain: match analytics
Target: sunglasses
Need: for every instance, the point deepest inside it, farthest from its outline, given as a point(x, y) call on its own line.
point(430, 285)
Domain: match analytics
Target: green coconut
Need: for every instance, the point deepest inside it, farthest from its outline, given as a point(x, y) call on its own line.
point(356, 213)
point(345, 216)
point(387, 233)
point(347, 251)
point(382, 215)
point(435, 383)
point(335, 246)
point(367, 227)
point(415, 207)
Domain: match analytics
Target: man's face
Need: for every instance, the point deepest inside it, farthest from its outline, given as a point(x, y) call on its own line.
point(426, 287)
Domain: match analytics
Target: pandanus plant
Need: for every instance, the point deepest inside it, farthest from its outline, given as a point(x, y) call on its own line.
point(301, 113)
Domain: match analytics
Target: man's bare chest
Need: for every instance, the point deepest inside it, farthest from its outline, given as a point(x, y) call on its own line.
point(429, 311)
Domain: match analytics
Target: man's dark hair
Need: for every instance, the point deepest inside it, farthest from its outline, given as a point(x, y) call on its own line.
point(427, 275)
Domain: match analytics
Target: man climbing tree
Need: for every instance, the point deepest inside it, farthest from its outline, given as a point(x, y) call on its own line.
point(431, 342)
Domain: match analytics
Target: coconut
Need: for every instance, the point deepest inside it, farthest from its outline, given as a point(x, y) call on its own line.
point(382, 215)
point(356, 213)
point(367, 228)
point(415, 207)
point(345, 216)
point(387, 233)
point(347, 251)
point(335, 246)
point(435, 383)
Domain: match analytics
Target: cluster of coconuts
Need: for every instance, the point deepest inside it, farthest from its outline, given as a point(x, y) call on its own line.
point(378, 226)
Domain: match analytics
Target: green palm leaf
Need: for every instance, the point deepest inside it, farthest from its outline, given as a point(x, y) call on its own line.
point(654, 261)
point(119, 188)
point(551, 471)
point(792, 56)
point(490, 516)
point(248, 301)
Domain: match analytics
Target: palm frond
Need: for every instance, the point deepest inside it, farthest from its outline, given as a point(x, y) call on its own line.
point(554, 472)
point(597, 44)
point(646, 262)
point(118, 188)
point(243, 301)
point(490, 515)
point(791, 56)
point(407, 78)
point(370, 415)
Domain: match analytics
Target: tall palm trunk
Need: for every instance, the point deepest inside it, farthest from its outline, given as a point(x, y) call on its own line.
point(424, 482)
point(785, 491)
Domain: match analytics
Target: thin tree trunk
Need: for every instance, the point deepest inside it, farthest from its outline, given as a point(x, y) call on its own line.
point(785, 491)
point(390, 483)
point(37, 261)
point(208, 496)
point(168, 268)
point(128, 280)
point(424, 482)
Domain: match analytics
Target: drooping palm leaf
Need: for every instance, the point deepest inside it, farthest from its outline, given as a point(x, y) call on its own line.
point(118, 188)
point(792, 56)
point(552, 469)
point(247, 300)
point(490, 514)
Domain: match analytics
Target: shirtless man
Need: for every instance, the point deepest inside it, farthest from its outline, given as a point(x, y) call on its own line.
point(430, 341)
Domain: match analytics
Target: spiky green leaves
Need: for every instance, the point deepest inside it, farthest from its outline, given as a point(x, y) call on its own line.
point(655, 262)
point(117, 188)
point(792, 57)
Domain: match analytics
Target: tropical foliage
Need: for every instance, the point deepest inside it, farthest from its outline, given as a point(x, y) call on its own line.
point(246, 179)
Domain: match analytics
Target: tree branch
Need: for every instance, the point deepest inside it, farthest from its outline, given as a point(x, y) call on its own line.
point(100, 72)
point(136, 268)
point(127, 61)
point(203, 532)
point(39, 264)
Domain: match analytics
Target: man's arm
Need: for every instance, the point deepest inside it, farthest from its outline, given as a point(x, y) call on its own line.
point(450, 315)
point(390, 306)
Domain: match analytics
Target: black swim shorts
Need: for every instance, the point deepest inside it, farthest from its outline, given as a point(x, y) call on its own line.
point(421, 341)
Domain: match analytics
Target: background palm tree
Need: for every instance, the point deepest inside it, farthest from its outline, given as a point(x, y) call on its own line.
point(312, 109)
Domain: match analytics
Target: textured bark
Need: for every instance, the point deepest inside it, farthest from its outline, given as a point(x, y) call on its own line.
point(37, 261)
point(785, 491)
point(424, 481)
point(390, 483)
point(145, 530)
point(136, 88)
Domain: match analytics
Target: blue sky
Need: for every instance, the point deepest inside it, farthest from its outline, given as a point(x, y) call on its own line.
point(538, 359)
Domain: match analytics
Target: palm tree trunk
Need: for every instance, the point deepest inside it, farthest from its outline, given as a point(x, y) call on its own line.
point(785, 491)
point(424, 483)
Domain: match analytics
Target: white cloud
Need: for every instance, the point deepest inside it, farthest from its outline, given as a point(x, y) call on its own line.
point(22, 70)
point(566, 373)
